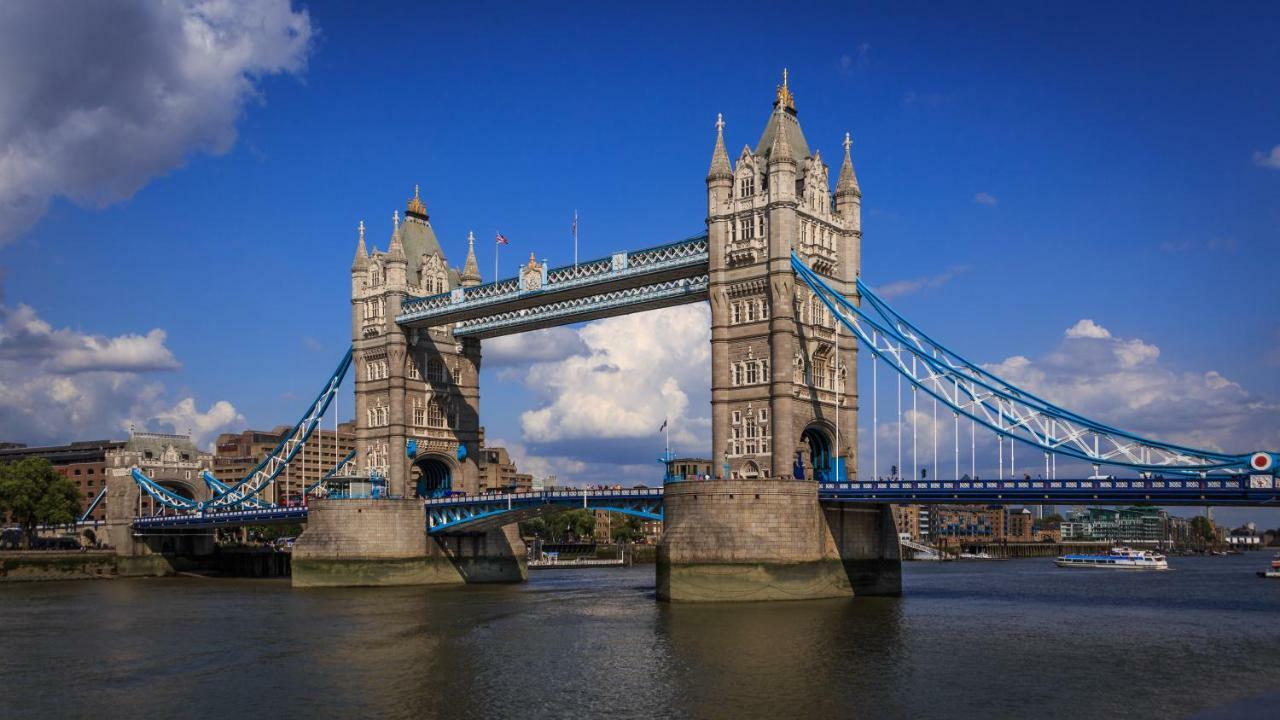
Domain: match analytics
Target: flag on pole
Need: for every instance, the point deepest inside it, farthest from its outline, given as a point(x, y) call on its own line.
point(664, 426)
point(502, 239)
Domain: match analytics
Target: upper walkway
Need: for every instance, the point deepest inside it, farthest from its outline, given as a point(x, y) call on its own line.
point(672, 274)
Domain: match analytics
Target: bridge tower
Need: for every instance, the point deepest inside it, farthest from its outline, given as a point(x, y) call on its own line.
point(781, 374)
point(417, 390)
point(783, 388)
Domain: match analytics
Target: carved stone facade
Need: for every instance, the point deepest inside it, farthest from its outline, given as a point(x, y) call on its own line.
point(780, 370)
point(417, 391)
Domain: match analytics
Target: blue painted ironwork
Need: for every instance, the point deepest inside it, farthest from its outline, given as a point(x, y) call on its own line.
point(84, 517)
point(1000, 406)
point(1219, 491)
point(220, 518)
point(582, 308)
point(478, 513)
point(615, 270)
point(270, 468)
point(217, 487)
point(329, 475)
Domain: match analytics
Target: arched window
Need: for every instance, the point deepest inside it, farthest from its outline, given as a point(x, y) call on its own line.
point(435, 371)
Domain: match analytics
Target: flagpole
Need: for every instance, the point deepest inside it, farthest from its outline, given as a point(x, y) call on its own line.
point(575, 237)
point(496, 247)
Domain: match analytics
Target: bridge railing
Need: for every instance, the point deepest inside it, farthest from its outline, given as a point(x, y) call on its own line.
point(545, 494)
point(1153, 484)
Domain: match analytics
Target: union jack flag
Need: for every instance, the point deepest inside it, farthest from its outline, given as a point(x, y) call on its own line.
point(502, 239)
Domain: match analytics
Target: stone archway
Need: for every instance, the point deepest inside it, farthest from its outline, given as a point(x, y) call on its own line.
point(816, 447)
point(750, 470)
point(431, 476)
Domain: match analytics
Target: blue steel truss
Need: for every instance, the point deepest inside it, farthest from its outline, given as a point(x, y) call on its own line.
point(1010, 412)
point(480, 513)
point(84, 517)
point(217, 487)
point(653, 277)
point(220, 518)
point(1253, 490)
point(266, 471)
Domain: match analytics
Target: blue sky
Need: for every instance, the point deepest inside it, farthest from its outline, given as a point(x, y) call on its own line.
point(1024, 167)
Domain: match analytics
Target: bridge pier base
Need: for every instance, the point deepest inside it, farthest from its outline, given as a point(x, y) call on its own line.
point(384, 542)
point(751, 540)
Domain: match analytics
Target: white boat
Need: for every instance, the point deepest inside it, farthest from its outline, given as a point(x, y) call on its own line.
point(1117, 558)
point(1273, 571)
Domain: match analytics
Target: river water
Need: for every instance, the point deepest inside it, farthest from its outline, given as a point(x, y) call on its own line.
point(997, 639)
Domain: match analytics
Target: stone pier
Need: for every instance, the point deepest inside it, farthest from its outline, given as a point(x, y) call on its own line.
point(749, 540)
point(384, 542)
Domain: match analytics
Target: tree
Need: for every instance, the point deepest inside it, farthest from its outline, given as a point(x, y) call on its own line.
point(33, 494)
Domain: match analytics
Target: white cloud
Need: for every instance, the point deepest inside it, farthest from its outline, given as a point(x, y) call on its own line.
point(546, 345)
point(1121, 382)
point(985, 198)
point(907, 287)
point(1087, 328)
point(59, 385)
point(639, 370)
point(1268, 159)
point(860, 59)
point(101, 97)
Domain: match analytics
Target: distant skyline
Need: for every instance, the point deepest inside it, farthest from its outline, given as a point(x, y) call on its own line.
point(1088, 202)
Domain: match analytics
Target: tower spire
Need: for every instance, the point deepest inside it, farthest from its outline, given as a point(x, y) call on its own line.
point(471, 270)
point(362, 255)
point(780, 151)
point(395, 252)
point(720, 156)
point(848, 182)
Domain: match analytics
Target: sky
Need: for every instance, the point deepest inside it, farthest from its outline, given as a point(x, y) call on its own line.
point(1085, 198)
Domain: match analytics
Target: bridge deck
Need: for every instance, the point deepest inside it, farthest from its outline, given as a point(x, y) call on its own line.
point(479, 513)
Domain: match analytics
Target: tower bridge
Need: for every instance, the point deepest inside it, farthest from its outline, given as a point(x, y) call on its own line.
point(791, 513)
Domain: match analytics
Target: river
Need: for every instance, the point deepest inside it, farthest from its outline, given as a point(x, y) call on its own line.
point(1014, 638)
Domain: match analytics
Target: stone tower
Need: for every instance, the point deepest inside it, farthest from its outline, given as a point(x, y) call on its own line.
point(780, 370)
point(417, 391)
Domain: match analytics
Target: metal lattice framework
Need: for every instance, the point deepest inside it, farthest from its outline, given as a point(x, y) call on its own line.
point(618, 268)
point(217, 487)
point(1005, 409)
point(478, 513)
point(266, 471)
point(566, 310)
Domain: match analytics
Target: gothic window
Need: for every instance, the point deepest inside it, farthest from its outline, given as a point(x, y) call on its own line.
point(435, 371)
point(414, 373)
point(753, 373)
point(435, 414)
point(764, 371)
point(733, 231)
point(735, 311)
point(747, 186)
point(751, 311)
point(737, 418)
point(419, 412)
point(764, 415)
point(759, 225)
point(735, 379)
point(764, 310)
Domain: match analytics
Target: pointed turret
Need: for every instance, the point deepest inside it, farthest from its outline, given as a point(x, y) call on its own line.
point(848, 181)
point(720, 157)
point(471, 270)
point(416, 208)
point(780, 151)
point(395, 251)
point(848, 194)
point(362, 255)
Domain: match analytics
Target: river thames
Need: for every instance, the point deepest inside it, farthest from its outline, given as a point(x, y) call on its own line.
point(978, 639)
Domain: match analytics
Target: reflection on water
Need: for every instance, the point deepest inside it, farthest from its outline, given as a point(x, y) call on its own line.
point(967, 640)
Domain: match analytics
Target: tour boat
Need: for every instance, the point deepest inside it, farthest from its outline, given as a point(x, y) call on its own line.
point(1118, 558)
point(1273, 571)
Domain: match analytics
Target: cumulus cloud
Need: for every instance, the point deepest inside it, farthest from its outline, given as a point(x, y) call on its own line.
point(548, 345)
point(58, 385)
point(907, 287)
point(985, 198)
point(101, 97)
point(602, 391)
point(1121, 381)
point(1087, 328)
point(1268, 159)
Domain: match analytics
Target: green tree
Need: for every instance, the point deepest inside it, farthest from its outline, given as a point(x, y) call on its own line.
point(1202, 529)
point(33, 494)
point(627, 528)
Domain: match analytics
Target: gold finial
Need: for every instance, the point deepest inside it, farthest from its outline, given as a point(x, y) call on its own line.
point(848, 143)
point(785, 99)
point(533, 263)
point(416, 206)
